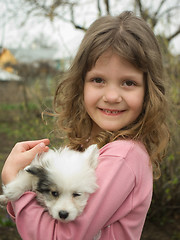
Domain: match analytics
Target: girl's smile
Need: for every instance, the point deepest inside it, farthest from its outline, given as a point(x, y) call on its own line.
point(113, 93)
point(111, 112)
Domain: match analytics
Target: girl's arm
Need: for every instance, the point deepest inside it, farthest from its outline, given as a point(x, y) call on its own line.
point(21, 155)
point(105, 209)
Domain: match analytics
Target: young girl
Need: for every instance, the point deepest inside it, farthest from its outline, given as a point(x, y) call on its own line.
point(112, 95)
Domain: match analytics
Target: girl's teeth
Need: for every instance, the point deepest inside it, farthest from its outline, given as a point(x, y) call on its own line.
point(108, 111)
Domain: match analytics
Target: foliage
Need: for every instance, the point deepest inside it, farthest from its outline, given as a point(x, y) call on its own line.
point(166, 196)
point(6, 221)
point(26, 124)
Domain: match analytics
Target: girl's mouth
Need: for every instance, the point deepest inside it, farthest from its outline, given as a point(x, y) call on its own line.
point(112, 112)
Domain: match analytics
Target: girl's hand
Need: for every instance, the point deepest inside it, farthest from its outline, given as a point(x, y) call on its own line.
point(21, 155)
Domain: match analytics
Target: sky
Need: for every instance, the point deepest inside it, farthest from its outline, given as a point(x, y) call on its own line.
point(60, 34)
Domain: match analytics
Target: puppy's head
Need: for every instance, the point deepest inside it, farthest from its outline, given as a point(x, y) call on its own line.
point(64, 186)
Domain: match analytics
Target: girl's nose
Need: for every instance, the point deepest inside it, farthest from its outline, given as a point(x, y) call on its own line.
point(112, 95)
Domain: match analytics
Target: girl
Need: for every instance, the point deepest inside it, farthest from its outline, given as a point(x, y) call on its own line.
point(112, 95)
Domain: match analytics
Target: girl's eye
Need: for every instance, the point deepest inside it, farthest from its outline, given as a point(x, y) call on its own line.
point(129, 83)
point(97, 80)
point(55, 194)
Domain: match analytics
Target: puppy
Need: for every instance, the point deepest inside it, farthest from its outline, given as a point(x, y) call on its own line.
point(62, 180)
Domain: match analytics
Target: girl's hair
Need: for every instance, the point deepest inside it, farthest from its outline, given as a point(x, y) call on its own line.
point(131, 38)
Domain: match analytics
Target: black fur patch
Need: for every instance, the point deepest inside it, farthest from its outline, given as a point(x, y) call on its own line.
point(44, 184)
point(40, 172)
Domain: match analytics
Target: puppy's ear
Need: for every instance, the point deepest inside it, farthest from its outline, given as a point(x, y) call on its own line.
point(37, 171)
point(92, 154)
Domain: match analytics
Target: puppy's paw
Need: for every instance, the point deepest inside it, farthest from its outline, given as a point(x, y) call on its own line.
point(3, 201)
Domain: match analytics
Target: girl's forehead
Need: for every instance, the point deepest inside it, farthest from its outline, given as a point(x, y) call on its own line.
point(110, 55)
point(126, 54)
point(105, 56)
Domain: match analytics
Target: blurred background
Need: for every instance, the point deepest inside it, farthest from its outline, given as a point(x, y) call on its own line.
point(38, 39)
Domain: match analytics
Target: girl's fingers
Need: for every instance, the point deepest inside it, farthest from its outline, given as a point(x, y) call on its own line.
point(25, 146)
point(31, 144)
point(39, 148)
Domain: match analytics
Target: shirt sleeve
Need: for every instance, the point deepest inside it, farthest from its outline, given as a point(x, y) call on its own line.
point(116, 180)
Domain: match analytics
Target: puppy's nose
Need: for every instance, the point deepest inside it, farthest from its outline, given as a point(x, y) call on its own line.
point(63, 214)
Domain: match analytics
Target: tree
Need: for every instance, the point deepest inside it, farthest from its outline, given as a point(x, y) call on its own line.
point(154, 12)
point(154, 16)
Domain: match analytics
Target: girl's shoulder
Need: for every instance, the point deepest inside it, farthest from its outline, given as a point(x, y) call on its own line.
point(123, 148)
point(128, 154)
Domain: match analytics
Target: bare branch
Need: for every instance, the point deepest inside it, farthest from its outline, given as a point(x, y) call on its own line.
point(48, 10)
point(65, 10)
point(140, 6)
point(177, 32)
point(99, 8)
point(168, 11)
point(154, 18)
point(159, 8)
point(73, 21)
point(143, 12)
point(106, 2)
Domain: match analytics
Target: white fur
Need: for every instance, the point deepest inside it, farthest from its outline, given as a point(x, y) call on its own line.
point(62, 179)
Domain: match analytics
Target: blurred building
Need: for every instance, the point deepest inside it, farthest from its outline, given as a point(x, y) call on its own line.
point(22, 67)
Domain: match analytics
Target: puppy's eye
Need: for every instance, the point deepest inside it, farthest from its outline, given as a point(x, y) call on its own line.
point(55, 194)
point(75, 194)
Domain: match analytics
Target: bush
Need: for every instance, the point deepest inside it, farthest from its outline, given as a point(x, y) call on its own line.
point(19, 124)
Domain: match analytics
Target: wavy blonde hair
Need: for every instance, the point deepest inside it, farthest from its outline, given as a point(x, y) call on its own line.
point(131, 38)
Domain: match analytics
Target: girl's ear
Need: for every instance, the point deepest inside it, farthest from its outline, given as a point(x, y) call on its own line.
point(92, 154)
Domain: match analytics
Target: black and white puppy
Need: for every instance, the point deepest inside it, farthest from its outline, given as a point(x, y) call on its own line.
point(62, 179)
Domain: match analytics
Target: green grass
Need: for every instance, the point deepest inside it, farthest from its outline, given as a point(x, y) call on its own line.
point(19, 124)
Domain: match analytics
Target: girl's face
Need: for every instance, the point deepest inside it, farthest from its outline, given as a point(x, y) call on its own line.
point(113, 93)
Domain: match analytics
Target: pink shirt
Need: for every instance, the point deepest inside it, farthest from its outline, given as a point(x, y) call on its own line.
point(116, 211)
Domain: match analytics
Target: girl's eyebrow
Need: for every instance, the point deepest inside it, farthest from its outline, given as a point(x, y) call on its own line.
point(93, 71)
point(131, 76)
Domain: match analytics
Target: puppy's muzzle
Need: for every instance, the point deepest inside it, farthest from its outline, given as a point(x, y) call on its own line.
point(63, 214)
